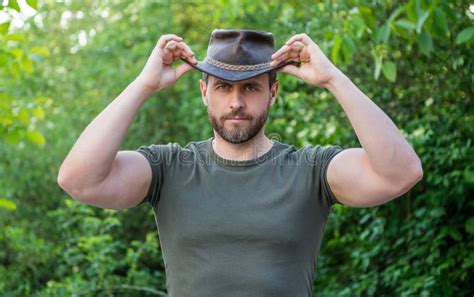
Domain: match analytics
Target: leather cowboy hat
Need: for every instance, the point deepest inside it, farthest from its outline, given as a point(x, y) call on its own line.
point(236, 55)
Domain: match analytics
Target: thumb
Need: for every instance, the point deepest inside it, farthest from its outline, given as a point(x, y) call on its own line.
point(290, 69)
point(182, 69)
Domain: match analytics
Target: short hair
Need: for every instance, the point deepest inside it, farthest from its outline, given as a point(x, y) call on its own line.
point(272, 77)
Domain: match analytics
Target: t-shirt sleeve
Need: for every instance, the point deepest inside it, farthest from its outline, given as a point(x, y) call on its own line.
point(322, 156)
point(158, 157)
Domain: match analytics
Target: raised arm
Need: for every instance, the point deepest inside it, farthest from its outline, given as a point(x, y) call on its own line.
point(386, 166)
point(95, 171)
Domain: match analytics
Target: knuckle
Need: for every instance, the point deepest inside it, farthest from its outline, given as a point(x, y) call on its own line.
point(164, 37)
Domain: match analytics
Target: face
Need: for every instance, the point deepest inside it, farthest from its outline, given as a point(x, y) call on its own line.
point(238, 110)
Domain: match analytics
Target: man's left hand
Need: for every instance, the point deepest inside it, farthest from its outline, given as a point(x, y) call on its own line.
point(315, 68)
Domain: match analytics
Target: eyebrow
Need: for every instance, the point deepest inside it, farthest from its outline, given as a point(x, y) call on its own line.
point(252, 82)
point(222, 82)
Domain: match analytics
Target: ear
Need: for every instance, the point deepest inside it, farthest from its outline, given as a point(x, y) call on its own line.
point(203, 87)
point(274, 92)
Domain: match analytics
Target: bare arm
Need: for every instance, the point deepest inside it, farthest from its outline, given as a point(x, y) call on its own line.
point(386, 166)
point(94, 171)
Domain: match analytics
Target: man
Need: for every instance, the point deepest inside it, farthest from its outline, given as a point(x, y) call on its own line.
point(240, 214)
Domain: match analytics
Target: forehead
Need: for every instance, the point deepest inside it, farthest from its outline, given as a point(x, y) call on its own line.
point(261, 79)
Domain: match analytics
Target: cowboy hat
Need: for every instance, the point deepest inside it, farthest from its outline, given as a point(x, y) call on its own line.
point(236, 55)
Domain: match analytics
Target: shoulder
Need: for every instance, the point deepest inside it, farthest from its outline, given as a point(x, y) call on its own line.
point(312, 152)
point(171, 152)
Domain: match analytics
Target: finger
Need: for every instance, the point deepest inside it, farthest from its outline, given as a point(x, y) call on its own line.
point(299, 37)
point(286, 61)
point(179, 54)
point(290, 69)
point(187, 53)
point(166, 38)
point(281, 51)
point(294, 54)
point(182, 69)
point(282, 56)
point(187, 49)
point(297, 46)
point(180, 50)
point(171, 45)
point(191, 60)
point(294, 48)
point(280, 59)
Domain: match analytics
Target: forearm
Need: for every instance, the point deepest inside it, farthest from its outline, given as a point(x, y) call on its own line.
point(389, 153)
point(91, 158)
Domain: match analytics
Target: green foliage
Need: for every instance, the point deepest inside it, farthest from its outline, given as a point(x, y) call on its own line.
point(413, 59)
point(19, 112)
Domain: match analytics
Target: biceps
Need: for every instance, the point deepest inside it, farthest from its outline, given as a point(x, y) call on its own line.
point(127, 183)
point(354, 183)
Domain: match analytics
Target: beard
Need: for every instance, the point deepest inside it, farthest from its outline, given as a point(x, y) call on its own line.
point(239, 133)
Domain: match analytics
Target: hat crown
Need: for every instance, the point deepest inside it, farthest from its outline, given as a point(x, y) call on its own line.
point(241, 47)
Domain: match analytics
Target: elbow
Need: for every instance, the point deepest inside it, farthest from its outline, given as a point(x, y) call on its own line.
point(66, 182)
point(62, 180)
point(413, 175)
point(418, 170)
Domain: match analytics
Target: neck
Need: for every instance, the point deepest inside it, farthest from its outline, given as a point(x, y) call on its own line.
point(249, 150)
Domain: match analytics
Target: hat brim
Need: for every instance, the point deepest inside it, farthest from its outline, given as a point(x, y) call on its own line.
point(231, 75)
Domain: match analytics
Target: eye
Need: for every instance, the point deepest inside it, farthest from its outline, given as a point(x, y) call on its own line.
point(223, 87)
point(251, 88)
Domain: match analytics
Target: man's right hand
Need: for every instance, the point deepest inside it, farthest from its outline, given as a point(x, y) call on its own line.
point(158, 73)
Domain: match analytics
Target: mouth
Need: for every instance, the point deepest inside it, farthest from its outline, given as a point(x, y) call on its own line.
point(236, 120)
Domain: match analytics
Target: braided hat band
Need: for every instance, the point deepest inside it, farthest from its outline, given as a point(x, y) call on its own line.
point(231, 67)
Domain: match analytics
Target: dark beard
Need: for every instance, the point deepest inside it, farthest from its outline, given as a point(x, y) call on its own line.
point(238, 135)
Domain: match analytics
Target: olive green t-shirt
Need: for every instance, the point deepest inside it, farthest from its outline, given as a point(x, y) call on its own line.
point(239, 228)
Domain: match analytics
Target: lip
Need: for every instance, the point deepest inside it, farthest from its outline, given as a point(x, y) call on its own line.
point(236, 119)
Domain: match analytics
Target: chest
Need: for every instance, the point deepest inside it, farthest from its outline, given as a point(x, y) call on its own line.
point(271, 208)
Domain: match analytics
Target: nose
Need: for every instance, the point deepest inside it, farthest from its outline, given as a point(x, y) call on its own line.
point(236, 99)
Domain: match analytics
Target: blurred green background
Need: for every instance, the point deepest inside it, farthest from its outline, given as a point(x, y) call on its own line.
point(62, 62)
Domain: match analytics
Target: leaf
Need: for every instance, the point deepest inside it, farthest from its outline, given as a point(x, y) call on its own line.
point(335, 49)
point(437, 212)
point(42, 51)
point(7, 204)
point(4, 28)
point(366, 13)
point(359, 25)
point(38, 112)
point(13, 137)
point(395, 14)
point(470, 226)
point(14, 4)
point(27, 64)
point(23, 116)
point(469, 177)
point(421, 20)
point(17, 53)
point(32, 3)
point(383, 33)
point(3, 59)
point(440, 22)
point(378, 65)
point(42, 100)
point(455, 234)
point(15, 37)
point(406, 24)
point(425, 42)
point(348, 48)
point(36, 137)
point(465, 35)
point(5, 97)
point(389, 70)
